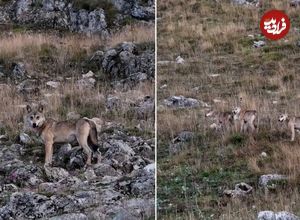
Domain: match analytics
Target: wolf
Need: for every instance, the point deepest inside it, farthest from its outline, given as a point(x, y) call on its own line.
point(245, 117)
point(224, 120)
point(51, 131)
point(293, 123)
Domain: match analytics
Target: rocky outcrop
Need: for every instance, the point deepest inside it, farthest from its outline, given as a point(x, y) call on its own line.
point(129, 64)
point(240, 190)
point(62, 14)
point(271, 179)
point(144, 10)
point(183, 102)
point(269, 215)
point(122, 184)
point(246, 2)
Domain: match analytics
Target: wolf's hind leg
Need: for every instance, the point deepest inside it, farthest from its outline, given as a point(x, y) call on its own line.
point(82, 138)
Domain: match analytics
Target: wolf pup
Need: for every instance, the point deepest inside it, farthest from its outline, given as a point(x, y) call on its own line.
point(83, 131)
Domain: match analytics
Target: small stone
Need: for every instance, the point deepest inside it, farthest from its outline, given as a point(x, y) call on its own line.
point(88, 75)
point(89, 174)
point(265, 180)
point(53, 84)
point(240, 190)
point(179, 60)
point(263, 154)
point(56, 173)
point(150, 168)
point(270, 215)
point(214, 75)
point(24, 138)
point(164, 86)
point(258, 44)
point(71, 216)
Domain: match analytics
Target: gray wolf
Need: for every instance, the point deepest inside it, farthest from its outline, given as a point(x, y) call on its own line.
point(51, 131)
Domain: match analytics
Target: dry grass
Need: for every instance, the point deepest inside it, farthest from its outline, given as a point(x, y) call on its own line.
point(213, 39)
point(50, 54)
point(137, 34)
point(69, 98)
point(51, 57)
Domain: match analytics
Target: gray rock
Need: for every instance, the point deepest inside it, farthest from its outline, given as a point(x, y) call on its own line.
point(89, 174)
point(24, 138)
point(144, 10)
point(180, 60)
point(56, 173)
point(258, 44)
point(140, 207)
point(76, 157)
point(28, 86)
point(128, 64)
point(105, 170)
point(88, 75)
point(119, 213)
point(266, 180)
point(294, 3)
point(270, 215)
point(88, 22)
point(150, 168)
point(28, 206)
point(8, 188)
point(246, 2)
point(183, 102)
point(241, 189)
point(19, 71)
point(53, 84)
point(86, 83)
point(113, 103)
point(121, 146)
point(4, 138)
point(72, 216)
point(28, 175)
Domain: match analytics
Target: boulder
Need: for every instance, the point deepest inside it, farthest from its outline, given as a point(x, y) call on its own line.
point(270, 215)
point(241, 190)
point(127, 63)
point(266, 180)
point(183, 102)
point(19, 72)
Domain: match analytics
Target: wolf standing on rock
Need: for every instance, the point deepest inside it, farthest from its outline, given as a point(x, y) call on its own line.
point(83, 131)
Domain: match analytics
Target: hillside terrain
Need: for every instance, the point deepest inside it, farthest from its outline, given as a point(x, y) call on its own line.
point(78, 59)
point(210, 55)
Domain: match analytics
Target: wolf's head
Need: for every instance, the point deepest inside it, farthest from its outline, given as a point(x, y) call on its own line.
point(35, 117)
point(236, 110)
point(283, 117)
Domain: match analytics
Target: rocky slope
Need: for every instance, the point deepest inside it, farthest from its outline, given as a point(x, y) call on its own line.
point(122, 185)
point(78, 16)
point(76, 76)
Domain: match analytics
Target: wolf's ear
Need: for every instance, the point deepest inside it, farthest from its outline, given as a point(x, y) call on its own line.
point(41, 108)
point(28, 108)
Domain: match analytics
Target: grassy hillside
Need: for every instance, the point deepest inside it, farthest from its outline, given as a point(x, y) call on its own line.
point(216, 37)
point(47, 57)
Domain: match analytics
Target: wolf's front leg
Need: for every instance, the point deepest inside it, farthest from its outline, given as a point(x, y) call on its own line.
point(49, 152)
point(293, 133)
